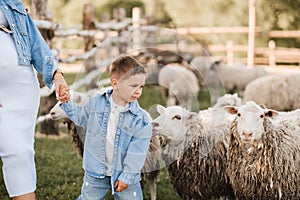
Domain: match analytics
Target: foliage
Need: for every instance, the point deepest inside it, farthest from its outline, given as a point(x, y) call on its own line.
point(161, 15)
point(128, 5)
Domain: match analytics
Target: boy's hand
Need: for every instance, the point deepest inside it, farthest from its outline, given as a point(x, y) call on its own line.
point(120, 186)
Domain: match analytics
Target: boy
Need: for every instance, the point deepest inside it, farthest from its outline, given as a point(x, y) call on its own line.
point(118, 134)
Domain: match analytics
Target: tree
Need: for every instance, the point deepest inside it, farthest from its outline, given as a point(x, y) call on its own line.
point(40, 10)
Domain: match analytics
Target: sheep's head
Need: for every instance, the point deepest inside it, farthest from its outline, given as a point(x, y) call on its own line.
point(228, 100)
point(250, 120)
point(79, 98)
point(172, 123)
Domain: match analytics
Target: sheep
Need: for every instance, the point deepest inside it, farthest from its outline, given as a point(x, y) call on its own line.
point(236, 77)
point(150, 171)
point(215, 115)
point(79, 98)
point(217, 74)
point(179, 86)
point(195, 152)
point(228, 100)
point(208, 79)
point(279, 92)
point(264, 154)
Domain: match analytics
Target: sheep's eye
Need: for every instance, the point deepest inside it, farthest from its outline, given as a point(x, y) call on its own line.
point(261, 116)
point(178, 117)
point(239, 114)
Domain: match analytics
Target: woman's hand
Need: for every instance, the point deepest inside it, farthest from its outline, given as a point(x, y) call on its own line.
point(120, 186)
point(61, 88)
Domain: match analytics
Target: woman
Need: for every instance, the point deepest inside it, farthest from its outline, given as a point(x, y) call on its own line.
point(21, 47)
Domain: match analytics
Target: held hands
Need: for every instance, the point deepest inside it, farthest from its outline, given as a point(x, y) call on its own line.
point(120, 186)
point(61, 88)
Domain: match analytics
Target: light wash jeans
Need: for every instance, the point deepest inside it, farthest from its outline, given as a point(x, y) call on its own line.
point(97, 188)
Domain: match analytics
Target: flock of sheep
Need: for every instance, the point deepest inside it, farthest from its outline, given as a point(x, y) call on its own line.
point(236, 149)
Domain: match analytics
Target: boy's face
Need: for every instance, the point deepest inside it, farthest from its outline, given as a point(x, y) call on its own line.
point(129, 89)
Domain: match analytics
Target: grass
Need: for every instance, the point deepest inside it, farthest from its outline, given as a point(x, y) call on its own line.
point(59, 171)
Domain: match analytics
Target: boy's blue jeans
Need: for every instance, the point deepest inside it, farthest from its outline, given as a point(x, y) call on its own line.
point(97, 188)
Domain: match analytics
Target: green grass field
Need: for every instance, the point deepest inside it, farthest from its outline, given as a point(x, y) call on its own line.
point(59, 172)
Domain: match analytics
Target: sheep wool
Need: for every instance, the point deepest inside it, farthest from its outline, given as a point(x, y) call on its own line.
point(279, 92)
point(268, 168)
point(197, 161)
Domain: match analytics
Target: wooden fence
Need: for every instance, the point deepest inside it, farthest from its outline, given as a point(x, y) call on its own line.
point(107, 33)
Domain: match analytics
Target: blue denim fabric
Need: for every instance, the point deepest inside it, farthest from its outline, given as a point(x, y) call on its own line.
point(97, 188)
point(31, 47)
point(131, 141)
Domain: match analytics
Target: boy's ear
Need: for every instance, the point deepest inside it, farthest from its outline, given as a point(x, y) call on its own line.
point(113, 82)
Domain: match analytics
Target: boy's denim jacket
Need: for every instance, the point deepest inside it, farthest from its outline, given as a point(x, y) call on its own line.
point(132, 137)
point(31, 47)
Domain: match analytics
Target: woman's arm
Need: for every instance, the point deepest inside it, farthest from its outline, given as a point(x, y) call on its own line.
point(42, 58)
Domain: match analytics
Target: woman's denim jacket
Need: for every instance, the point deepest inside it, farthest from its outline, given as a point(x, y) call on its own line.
point(31, 47)
point(131, 143)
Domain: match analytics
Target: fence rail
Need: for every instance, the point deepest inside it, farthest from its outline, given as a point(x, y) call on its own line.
point(229, 52)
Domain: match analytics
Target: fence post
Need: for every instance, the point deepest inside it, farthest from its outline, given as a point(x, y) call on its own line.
point(119, 15)
point(89, 41)
point(272, 56)
point(229, 52)
point(136, 19)
point(251, 34)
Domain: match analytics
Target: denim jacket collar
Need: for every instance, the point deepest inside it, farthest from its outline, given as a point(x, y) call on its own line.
point(13, 5)
point(132, 107)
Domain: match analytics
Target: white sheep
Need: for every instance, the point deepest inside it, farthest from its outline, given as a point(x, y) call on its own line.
point(228, 100)
point(179, 86)
point(79, 98)
point(209, 79)
point(264, 154)
point(236, 77)
point(279, 92)
point(195, 152)
point(233, 77)
point(216, 115)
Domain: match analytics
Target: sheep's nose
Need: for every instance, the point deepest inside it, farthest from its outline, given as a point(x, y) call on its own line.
point(247, 135)
point(52, 113)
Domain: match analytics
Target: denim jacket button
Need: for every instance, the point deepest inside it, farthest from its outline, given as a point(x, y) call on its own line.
point(6, 7)
point(13, 25)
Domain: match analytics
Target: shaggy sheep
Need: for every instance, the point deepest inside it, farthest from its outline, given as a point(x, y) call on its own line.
point(215, 115)
point(217, 74)
point(263, 154)
point(279, 92)
point(195, 153)
point(179, 86)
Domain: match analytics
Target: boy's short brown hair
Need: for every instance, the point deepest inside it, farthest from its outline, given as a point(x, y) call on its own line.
point(125, 66)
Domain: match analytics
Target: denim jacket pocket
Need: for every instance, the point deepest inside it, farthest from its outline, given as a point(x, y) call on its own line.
point(97, 127)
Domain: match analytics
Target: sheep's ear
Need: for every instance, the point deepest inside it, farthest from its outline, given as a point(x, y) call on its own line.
point(231, 109)
point(160, 109)
point(271, 113)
